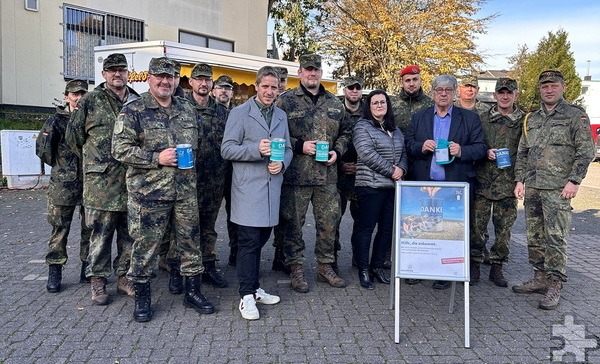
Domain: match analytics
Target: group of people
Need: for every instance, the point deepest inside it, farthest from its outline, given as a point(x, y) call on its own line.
point(114, 152)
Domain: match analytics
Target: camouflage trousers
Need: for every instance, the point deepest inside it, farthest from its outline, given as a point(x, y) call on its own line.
point(548, 220)
point(344, 199)
point(326, 210)
point(504, 214)
point(103, 225)
point(210, 198)
point(148, 222)
point(60, 218)
point(168, 246)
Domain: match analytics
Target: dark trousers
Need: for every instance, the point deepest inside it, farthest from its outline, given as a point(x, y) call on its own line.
point(251, 239)
point(376, 207)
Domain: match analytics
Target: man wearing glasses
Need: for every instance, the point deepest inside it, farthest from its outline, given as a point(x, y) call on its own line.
point(462, 128)
point(468, 89)
point(223, 91)
point(411, 98)
point(104, 192)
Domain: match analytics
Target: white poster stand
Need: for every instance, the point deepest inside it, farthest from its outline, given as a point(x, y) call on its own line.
point(431, 240)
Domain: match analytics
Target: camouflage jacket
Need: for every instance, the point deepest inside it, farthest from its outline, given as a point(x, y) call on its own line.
point(66, 180)
point(405, 105)
point(327, 121)
point(210, 166)
point(143, 130)
point(89, 134)
point(500, 131)
point(479, 108)
point(345, 182)
point(556, 147)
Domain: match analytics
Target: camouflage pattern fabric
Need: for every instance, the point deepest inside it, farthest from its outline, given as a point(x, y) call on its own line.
point(60, 217)
point(405, 105)
point(479, 108)
point(103, 225)
point(504, 215)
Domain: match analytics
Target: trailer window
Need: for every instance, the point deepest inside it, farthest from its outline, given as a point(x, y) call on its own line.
point(205, 41)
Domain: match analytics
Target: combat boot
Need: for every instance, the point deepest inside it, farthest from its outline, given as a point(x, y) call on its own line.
point(297, 278)
point(279, 262)
point(211, 275)
point(82, 277)
point(142, 312)
point(54, 278)
point(326, 274)
point(497, 276)
point(99, 295)
point(175, 279)
point(125, 286)
point(538, 284)
point(475, 273)
point(194, 298)
point(552, 296)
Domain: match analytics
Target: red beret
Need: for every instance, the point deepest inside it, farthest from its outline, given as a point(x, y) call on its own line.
point(412, 69)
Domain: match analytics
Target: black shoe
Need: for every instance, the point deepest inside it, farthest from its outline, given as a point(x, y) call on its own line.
point(475, 273)
point(211, 275)
point(194, 298)
point(387, 264)
point(365, 279)
point(441, 285)
point(82, 277)
point(142, 312)
point(412, 281)
point(380, 275)
point(175, 279)
point(232, 257)
point(54, 278)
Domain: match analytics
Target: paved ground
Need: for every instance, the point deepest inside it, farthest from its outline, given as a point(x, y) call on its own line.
point(327, 325)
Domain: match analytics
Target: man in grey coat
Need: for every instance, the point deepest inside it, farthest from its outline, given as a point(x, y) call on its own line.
point(256, 182)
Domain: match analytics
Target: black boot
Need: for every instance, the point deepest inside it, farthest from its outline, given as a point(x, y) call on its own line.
point(142, 312)
point(475, 273)
point(194, 298)
point(379, 274)
point(82, 277)
point(54, 278)
point(211, 275)
point(279, 262)
point(497, 276)
point(365, 279)
point(175, 279)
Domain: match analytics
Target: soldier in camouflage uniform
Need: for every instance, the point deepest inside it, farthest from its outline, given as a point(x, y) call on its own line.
point(494, 195)
point(211, 167)
point(104, 192)
point(222, 92)
point(145, 136)
point(313, 114)
point(411, 98)
point(468, 88)
point(65, 188)
point(554, 153)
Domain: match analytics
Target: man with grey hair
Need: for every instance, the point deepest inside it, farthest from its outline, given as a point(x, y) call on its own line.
point(444, 121)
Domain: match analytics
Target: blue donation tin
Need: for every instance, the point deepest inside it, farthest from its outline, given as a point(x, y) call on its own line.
point(502, 158)
point(277, 149)
point(322, 153)
point(185, 156)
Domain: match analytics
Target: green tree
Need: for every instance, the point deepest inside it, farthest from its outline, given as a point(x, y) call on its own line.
point(552, 52)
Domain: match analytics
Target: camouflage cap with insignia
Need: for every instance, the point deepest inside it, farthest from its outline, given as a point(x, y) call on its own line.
point(114, 60)
point(310, 60)
point(161, 65)
point(507, 83)
point(76, 86)
point(176, 66)
point(202, 69)
point(354, 80)
point(551, 76)
point(469, 81)
point(281, 71)
point(224, 80)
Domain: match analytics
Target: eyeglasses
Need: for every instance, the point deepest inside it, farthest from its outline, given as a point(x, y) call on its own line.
point(223, 88)
point(378, 103)
point(354, 87)
point(116, 70)
point(441, 90)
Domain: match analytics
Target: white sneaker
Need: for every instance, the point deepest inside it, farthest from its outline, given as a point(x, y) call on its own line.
point(266, 299)
point(248, 308)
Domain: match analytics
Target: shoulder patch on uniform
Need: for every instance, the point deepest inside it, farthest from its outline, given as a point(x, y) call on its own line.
point(119, 125)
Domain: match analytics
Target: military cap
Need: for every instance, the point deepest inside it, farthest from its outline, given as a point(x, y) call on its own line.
point(176, 66)
point(551, 76)
point(354, 80)
point(469, 81)
point(413, 69)
point(114, 60)
point(224, 80)
point(282, 71)
point(76, 86)
point(202, 69)
point(310, 60)
point(161, 65)
point(507, 83)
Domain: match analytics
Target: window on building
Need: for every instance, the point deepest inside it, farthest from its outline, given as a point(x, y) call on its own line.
point(83, 29)
point(205, 41)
